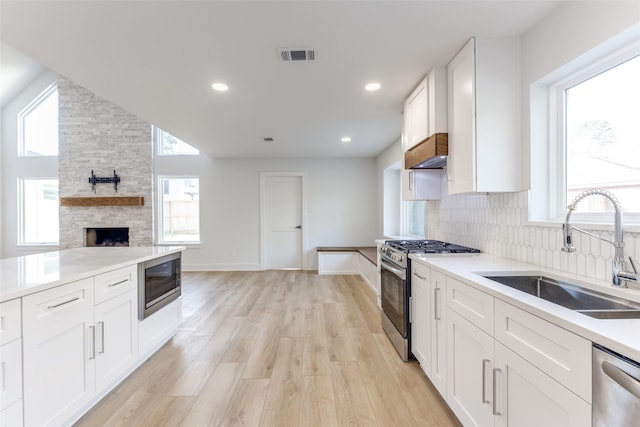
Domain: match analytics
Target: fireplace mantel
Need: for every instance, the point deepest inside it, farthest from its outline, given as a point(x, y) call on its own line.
point(102, 201)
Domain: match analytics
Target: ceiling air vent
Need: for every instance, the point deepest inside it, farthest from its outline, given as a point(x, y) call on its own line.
point(288, 54)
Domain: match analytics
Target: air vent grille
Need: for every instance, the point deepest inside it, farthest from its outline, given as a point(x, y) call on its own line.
point(288, 54)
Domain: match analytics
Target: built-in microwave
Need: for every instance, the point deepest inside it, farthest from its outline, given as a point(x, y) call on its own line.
point(159, 283)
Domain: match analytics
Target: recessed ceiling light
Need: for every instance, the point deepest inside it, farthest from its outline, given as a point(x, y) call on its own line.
point(345, 139)
point(373, 86)
point(220, 87)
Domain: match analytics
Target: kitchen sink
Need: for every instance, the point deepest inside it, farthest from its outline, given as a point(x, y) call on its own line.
point(574, 297)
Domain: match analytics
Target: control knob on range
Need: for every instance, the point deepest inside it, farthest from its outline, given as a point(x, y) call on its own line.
point(397, 257)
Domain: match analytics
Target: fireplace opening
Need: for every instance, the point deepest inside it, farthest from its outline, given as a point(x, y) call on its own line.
point(97, 237)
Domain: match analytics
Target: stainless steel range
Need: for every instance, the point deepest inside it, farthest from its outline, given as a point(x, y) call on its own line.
point(395, 275)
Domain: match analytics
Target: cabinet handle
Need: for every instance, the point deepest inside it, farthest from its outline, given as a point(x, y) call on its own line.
point(485, 362)
point(410, 180)
point(410, 309)
point(4, 385)
point(496, 371)
point(51, 307)
point(118, 283)
point(436, 299)
point(92, 346)
point(101, 330)
point(415, 273)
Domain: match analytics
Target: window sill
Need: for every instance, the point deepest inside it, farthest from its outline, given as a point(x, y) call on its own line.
point(591, 226)
point(188, 244)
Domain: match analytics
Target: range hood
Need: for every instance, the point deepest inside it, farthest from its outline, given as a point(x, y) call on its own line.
point(429, 154)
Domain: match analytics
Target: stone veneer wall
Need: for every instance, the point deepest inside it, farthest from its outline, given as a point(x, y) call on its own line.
point(95, 134)
point(497, 224)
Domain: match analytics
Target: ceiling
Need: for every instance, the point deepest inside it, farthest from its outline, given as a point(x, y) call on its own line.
point(158, 59)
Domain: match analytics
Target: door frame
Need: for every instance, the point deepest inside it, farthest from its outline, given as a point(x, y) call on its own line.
point(263, 216)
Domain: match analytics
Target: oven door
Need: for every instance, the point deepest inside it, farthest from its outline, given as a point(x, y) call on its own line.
point(395, 295)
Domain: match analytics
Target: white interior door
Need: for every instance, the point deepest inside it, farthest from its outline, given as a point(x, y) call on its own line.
point(282, 221)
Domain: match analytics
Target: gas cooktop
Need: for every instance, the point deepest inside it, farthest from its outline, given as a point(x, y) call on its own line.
point(429, 247)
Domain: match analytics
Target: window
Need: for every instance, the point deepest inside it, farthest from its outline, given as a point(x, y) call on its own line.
point(38, 214)
point(38, 125)
point(179, 210)
point(414, 219)
point(169, 145)
point(602, 136)
point(591, 111)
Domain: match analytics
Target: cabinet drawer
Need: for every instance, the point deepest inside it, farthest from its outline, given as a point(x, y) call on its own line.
point(10, 321)
point(420, 272)
point(116, 282)
point(10, 373)
point(42, 308)
point(561, 354)
point(12, 416)
point(471, 303)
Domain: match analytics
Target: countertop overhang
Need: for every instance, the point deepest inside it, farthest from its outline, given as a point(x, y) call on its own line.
point(620, 335)
point(27, 274)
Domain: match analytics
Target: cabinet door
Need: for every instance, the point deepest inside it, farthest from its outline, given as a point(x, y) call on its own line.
point(10, 373)
point(417, 109)
point(116, 339)
point(527, 397)
point(59, 369)
point(470, 364)
point(461, 163)
point(420, 311)
point(438, 348)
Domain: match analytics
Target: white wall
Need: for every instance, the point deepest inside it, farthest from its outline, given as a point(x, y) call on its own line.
point(341, 201)
point(14, 166)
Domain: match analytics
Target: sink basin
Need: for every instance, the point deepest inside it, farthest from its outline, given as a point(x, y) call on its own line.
point(574, 297)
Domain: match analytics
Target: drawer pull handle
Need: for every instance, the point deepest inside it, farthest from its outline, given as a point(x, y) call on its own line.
point(51, 307)
point(485, 362)
point(436, 305)
point(118, 283)
point(495, 391)
point(101, 330)
point(92, 346)
point(419, 276)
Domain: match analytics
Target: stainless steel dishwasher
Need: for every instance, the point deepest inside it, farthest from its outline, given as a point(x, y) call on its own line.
point(616, 389)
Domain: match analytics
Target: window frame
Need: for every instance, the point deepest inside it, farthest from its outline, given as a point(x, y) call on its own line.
point(21, 237)
point(405, 220)
point(22, 114)
point(554, 196)
point(160, 213)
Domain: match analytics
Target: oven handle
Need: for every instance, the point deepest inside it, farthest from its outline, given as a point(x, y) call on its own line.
point(398, 272)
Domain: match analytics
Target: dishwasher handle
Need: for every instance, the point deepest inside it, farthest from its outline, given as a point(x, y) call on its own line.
point(624, 379)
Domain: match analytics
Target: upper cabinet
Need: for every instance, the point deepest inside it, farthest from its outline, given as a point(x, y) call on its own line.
point(483, 117)
point(425, 110)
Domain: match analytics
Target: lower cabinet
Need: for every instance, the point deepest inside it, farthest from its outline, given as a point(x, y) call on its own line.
point(438, 373)
point(59, 365)
point(74, 351)
point(526, 396)
point(116, 324)
point(490, 384)
point(420, 316)
point(469, 372)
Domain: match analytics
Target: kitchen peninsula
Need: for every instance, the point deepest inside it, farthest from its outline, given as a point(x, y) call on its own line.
point(71, 330)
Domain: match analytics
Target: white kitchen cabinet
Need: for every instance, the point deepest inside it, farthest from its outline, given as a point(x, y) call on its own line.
point(421, 184)
point(425, 110)
point(59, 356)
point(527, 397)
point(483, 117)
point(10, 359)
point(12, 416)
point(469, 371)
point(420, 311)
point(438, 372)
point(116, 348)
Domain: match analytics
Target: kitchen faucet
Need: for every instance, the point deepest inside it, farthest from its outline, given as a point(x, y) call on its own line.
point(619, 272)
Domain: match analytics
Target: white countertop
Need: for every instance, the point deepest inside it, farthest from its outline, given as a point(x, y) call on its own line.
point(25, 275)
point(620, 335)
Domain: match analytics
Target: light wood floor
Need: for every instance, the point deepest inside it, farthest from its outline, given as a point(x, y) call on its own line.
point(275, 348)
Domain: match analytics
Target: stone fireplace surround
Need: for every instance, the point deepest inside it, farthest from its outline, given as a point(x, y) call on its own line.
point(95, 134)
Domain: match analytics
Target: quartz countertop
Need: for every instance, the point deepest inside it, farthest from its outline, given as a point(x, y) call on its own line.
point(620, 335)
point(27, 274)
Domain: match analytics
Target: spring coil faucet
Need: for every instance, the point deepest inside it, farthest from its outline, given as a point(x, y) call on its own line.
point(618, 266)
